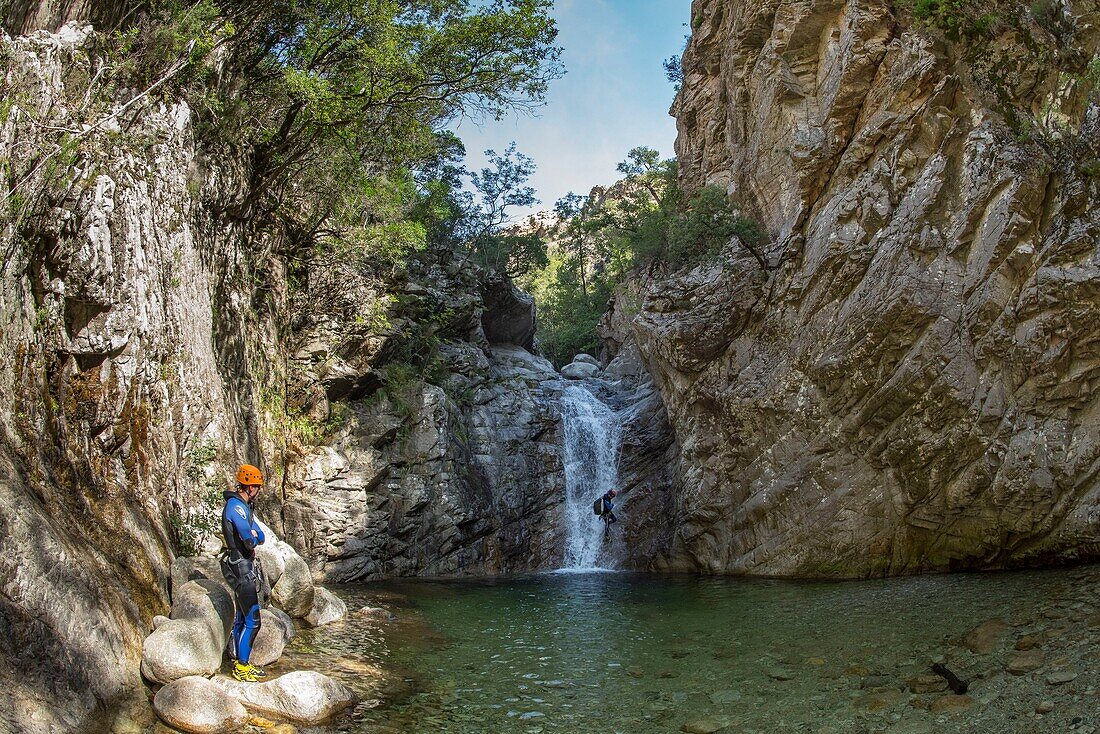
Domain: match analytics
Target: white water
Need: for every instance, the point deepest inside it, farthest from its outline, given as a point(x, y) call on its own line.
point(592, 437)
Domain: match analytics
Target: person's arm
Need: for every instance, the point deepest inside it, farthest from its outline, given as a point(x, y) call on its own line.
point(238, 516)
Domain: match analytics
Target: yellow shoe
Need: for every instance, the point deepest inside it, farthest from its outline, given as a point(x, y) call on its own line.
point(243, 672)
point(257, 671)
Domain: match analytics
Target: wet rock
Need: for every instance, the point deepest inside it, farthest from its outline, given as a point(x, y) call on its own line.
point(1025, 662)
point(195, 704)
point(877, 700)
point(702, 726)
point(377, 613)
point(719, 698)
point(926, 684)
point(327, 607)
point(986, 637)
point(304, 696)
point(951, 704)
point(1027, 642)
point(876, 681)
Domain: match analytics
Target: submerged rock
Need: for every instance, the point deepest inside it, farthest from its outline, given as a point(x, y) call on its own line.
point(986, 637)
point(196, 704)
point(1025, 662)
point(327, 607)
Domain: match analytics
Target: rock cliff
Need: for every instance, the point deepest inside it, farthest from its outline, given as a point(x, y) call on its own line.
point(155, 339)
point(911, 384)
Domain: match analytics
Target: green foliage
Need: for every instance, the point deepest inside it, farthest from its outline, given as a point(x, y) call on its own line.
point(501, 186)
point(342, 106)
point(194, 524)
point(644, 220)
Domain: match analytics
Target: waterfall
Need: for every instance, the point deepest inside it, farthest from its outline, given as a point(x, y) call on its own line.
point(592, 437)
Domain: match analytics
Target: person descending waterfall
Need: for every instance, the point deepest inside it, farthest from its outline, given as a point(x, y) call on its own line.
point(241, 568)
point(606, 506)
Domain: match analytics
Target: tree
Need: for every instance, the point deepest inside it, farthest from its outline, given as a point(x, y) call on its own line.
point(322, 91)
point(499, 187)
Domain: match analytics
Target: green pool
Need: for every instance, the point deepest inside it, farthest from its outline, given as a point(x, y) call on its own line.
point(611, 652)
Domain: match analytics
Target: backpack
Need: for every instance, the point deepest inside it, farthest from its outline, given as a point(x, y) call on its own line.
point(597, 506)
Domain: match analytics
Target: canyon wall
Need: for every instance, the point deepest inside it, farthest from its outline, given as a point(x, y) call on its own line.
point(911, 384)
point(154, 340)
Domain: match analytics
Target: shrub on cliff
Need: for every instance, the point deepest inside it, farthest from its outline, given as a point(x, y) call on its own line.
point(1031, 60)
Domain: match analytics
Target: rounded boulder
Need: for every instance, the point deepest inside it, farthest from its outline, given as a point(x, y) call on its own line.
point(579, 370)
point(195, 704)
point(304, 696)
point(294, 592)
point(179, 648)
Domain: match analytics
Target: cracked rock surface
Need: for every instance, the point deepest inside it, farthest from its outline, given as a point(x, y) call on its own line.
point(911, 385)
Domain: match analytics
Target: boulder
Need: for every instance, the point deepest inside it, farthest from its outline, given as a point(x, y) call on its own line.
point(304, 696)
point(195, 704)
point(207, 600)
point(191, 642)
point(294, 592)
point(272, 561)
point(186, 569)
point(179, 648)
point(579, 370)
point(276, 630)
point(327, 607)
point(586, 359)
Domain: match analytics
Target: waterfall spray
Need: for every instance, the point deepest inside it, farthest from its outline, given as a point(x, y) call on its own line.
point(593, 433)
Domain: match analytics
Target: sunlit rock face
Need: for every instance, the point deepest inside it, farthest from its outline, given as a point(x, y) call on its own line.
point(912, 387)
point(462, 480)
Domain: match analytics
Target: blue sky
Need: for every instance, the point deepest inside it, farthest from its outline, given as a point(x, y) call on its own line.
point(613, 97)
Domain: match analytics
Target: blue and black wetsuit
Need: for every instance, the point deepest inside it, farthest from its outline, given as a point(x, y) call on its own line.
point(239, 566)
point(607, 515)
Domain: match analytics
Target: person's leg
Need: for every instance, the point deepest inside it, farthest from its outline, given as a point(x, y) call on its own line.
point(611, 519)
point(251, 625)
point(238, 628)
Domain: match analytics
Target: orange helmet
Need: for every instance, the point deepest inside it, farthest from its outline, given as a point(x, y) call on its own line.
point(249, 475)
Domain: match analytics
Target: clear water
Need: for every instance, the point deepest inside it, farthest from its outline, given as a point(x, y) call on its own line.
point(628, 653)
point(592, 437)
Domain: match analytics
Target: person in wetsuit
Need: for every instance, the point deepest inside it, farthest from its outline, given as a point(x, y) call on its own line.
point(608, 516)
point(241, 569)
